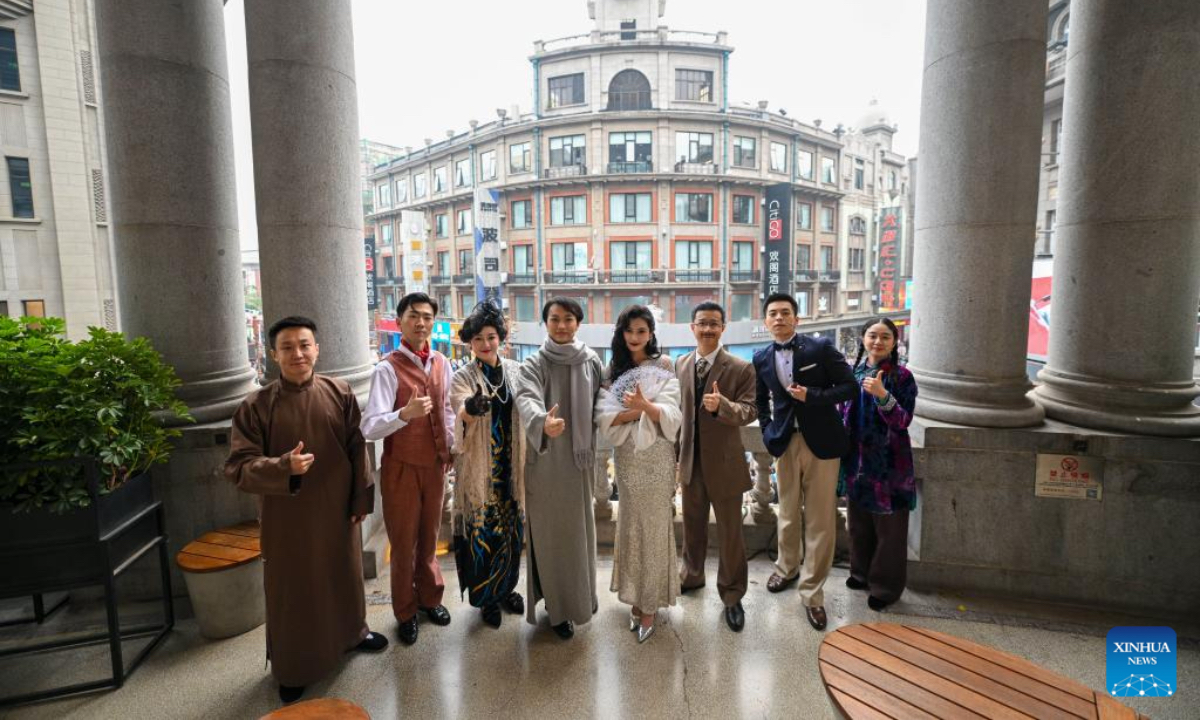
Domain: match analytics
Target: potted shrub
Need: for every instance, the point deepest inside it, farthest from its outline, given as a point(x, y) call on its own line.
point(80, 424)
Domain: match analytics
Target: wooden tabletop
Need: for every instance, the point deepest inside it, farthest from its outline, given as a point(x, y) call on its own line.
point(222, 549)
point(325, 708)
point(883, 670)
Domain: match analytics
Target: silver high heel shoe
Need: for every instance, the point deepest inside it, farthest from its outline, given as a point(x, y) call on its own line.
point(644, 633)
point(634, 621)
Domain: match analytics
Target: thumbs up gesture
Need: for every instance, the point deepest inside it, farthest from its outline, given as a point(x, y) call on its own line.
point(477, 404)
point(636, 400)
point(554, 425)
point(298, 461)
point(418, 405)
point(712, 400)
point(873, 384)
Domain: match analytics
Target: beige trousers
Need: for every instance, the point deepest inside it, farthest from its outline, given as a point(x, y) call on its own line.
point(807, 518)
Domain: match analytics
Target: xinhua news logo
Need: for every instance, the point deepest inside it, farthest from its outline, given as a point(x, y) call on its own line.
point(1141, 662)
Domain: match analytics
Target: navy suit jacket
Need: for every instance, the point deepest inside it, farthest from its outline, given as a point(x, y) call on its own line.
point(819, 366)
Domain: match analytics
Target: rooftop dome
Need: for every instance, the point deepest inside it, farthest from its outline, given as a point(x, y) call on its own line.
point(875, 114)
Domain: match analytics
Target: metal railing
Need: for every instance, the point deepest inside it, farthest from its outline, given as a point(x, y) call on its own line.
point(831, 275)
point(806, 276)
point(694, 275)
point(464, 278)
point(631, 275)
point(522, 278)
point(696, 168)
point(562, 171)
point(439, 279)
point(641, 166)
point(739, 276)
point(569, 277)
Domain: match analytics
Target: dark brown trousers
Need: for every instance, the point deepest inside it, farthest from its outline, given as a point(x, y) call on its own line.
point(879, 550)
point(731, 569)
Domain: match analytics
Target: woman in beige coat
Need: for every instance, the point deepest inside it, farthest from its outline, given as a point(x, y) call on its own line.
point(489, 465)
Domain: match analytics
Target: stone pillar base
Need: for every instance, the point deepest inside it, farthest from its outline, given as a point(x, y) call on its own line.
point(977, 401)
point(1163, 409)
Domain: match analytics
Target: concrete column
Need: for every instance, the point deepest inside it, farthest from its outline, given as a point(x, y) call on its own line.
point(762, 493)
point(981, 117)
point(602, 485)
point(174, 206)
point(304, 122)
point(1125, 267)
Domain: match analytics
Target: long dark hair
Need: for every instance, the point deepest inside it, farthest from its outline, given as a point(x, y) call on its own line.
point(622, 359)
point(894, 359)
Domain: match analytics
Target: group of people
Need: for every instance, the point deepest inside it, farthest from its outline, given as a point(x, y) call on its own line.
point(522, 440)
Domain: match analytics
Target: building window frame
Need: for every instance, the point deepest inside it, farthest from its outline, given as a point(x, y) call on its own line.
point(10, 61)
point(693, 147)
point(743, 209)
point(568, 210)
point(631, 208)
point(778, 157)
point(694, 85)
point(463, 175)
point(519, 158)
point(693, 207)
point(568, 150)
point(487, 165)
point(523, 219)
point(565, 91)
point(20, 186)
point(745, 152)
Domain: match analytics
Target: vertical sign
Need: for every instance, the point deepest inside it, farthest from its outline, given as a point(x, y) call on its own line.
point(488, 275)
point(777, 255)
point(889, 259)
point(369, 253)
point(412, 243)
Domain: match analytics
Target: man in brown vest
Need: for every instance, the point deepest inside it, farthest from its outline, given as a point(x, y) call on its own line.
point(409, 408)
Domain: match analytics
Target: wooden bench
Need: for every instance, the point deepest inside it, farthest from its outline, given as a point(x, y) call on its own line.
point(883, 670)
point(225, 580)
point(324, 708)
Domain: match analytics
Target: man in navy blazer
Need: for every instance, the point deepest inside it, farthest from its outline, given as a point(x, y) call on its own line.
point(800, 381)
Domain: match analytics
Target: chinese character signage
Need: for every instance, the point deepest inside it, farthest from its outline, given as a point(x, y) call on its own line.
point(369, 257)
point(1075, 477)
point(488, 275)
point(777, 255)
point(413, 234)
point(890, 290)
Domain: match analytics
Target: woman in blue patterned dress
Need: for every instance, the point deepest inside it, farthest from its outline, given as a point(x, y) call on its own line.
point(489, 468)
point(877, 473)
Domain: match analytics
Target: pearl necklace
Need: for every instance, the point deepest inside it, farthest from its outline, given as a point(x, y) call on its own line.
point(494, 390)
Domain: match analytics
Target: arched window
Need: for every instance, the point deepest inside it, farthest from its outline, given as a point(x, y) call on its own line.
point(858, 226)
point(629, 90)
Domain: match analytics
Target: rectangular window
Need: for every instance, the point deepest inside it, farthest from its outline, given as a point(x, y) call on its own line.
point(804, 164)
point(568, 210)
point(630, 147)
point(825, 302)
point(568, 256)
point(566, 90)
point(439, 179)
point(466, 265)
point(826, 218)
point(744, 152)
point(522, 259)
point(740, 307)
point(1048, 232)
point(629, 29)
point(693, 207)
point(518, 158)
point(804, 216)
point(859, 175)
point(34, 308)
point(856, 259)
point(389, 267)
point(462, 173)
point(385, 233)
point(828, 174)
point(401, 190)
point(441, 226)
point(567, 150)
point(525, 310)
point(466, 301)
point(522, 214)
point(462, 222)
point(743, 256)
point(804, 257)
point(443, 263)
point(3, 308)
point(1055, 141)
point(743, 209)
point(419, 185)
point(693, 147)
point(444, 303)
point(487, 165)
point(803, 301)
point(694, 85)
point(827, 260)
point(383, 195)
point(778, 157)
point(693, 255)
point(10, 68)
point(685, 303)
point(629, 208)
point(630, 255)
point(21, 187)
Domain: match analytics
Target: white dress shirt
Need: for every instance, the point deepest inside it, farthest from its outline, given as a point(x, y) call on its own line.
point(709, 358)
point(783, 364)
point(379, 419)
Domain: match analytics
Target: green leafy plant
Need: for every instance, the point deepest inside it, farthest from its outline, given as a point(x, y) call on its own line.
point(105, 397)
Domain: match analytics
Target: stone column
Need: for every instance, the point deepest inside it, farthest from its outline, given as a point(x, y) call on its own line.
point(602, 485)
point(304, 118)
point(170, 149)
point(981, 117)
point(1125, 268)
point(761, 494)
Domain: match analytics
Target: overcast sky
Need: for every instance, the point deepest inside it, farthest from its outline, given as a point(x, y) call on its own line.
point(427, 67)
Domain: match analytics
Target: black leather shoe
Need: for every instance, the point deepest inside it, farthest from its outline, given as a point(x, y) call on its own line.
point(735, 617)
point(816, 616)
point(373, 643)
point(855, 584)
point(565, 630)
point(514, 603)
point(408, 631)
point(437, 615)
point(290, 693)
point(684, 589)
point(876, 604)
point(491, 615)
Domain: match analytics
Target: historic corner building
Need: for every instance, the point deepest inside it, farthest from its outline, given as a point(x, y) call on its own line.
point(636, 179)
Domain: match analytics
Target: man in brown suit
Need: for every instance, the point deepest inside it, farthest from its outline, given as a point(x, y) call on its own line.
point(717, 398)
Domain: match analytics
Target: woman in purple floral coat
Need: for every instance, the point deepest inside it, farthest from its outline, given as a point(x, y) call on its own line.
point(877, 472)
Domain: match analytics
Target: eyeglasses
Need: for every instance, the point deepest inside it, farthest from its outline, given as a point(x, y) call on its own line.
point(708, 325)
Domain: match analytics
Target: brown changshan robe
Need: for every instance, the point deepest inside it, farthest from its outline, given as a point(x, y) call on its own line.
point(312, 553)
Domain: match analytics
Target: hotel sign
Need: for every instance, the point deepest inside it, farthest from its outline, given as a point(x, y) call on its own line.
point(889, 260)
point(777, 248)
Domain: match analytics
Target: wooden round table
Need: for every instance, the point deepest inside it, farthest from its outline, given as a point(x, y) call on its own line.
point(322, 708)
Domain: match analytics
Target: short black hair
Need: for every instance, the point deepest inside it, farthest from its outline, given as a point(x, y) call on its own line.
point(781, 297)
point(291, 321)
point(484, 315)
point(415, 298)
point(708, 305)
point(565, 303)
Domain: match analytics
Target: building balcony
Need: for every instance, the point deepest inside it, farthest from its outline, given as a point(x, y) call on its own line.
point(464, 279)
point(806, 276)
point(522, 279)
point(694, 275)
point(629, 100)
point(831, 275)
point(565, 171)
point(1056, 64)
point(694, 168)
point(617, 168)
point(569, 277)
point(439, 279)
point(631, 276)
point(745, 276)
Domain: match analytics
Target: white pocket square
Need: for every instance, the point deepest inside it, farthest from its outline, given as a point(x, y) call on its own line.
point(808, 367)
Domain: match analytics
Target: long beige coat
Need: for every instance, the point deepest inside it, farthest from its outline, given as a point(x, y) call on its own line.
point(473, 443)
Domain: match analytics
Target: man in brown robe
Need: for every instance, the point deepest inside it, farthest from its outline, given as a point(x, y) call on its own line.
point(297, 446)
